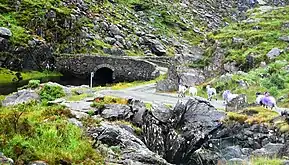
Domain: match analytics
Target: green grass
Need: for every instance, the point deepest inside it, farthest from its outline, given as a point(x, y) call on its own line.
point(43, 133)
point(7, 76)
point(78, 97)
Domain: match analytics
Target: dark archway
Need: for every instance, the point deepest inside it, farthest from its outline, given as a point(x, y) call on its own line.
point(103, 76)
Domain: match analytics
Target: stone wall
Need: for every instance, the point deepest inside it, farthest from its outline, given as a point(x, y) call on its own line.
point(124, 68)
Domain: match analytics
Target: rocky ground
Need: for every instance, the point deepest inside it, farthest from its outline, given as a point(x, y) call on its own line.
point(193, 131)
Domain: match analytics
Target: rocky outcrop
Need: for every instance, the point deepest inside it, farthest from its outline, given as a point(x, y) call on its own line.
point(180, 132)
point(133, 150)
point(22, 96)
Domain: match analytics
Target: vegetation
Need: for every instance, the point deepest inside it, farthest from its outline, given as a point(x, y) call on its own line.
point(266, 161)
point(99, 103)
point(257, 37)
point(273, 78)
point(253, 115)
point(33, 84)
point(51, 92)
point(34, 132)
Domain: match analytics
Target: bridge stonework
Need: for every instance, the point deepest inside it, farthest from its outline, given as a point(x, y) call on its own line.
point(123, 68)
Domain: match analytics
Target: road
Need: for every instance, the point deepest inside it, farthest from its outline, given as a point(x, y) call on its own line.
point(147, 93)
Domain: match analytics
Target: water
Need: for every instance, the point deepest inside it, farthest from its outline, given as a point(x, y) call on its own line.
point(6, 89)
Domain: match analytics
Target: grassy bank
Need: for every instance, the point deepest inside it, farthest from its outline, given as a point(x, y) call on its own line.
point(34, 132)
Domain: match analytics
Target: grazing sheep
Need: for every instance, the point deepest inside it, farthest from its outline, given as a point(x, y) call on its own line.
point(182, 90)
point(211, 92)
point(228, 96)
point(266, 100)
point(193, 91)
point(259, 97)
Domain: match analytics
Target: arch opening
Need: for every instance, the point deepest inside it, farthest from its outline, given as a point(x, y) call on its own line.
point(103, 76)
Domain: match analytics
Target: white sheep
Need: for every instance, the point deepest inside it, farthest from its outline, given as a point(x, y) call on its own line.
point(211, 92)
point(193, 91)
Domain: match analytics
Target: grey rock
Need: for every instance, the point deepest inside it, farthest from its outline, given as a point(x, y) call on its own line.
point(139, 109)
point(109, 40)
point(263, 64)
point(22, 96)
point(270, 150)
point(273, 53)
point(232, 152)
point(238, 103)
point(80, 106)
point(114, 30)
point(114, 51)
point(237, 40)
point(191, 77)
point(57, 101)
point(171, 83)
point(79, 115)
point(185, 130)
point(116, 111)
point(5, 160)
point(75, 122)
point(284, 38)
point(231, 67)
point(156, 46)
point(5, 33)
point(132, 149)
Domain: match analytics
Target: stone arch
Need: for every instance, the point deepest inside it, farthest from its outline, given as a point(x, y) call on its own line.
point(104, 73)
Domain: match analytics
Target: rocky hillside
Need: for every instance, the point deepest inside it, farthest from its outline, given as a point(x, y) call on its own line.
point(115, 27)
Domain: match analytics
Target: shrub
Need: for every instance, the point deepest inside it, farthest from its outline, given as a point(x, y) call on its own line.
point(98, 105)
point(51, 92)
point(33, 84)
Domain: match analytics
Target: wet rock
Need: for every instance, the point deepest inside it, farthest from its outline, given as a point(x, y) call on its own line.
point(273, 53)
point(132, 149)
point(22, 96)
point(5, 33)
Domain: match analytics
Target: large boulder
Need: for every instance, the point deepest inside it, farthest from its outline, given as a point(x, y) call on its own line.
point(116, 111)
point(132, 149)
point(171, 82)
point(22, 96)
point(5, 160)
point(178, 135)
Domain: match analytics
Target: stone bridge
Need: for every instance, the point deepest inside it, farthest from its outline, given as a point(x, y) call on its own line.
point(106, 69)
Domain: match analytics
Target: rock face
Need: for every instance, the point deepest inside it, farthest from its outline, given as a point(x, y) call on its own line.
point(170, 83)
point(177, 135)
point(22, 96)
point(133, 150)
